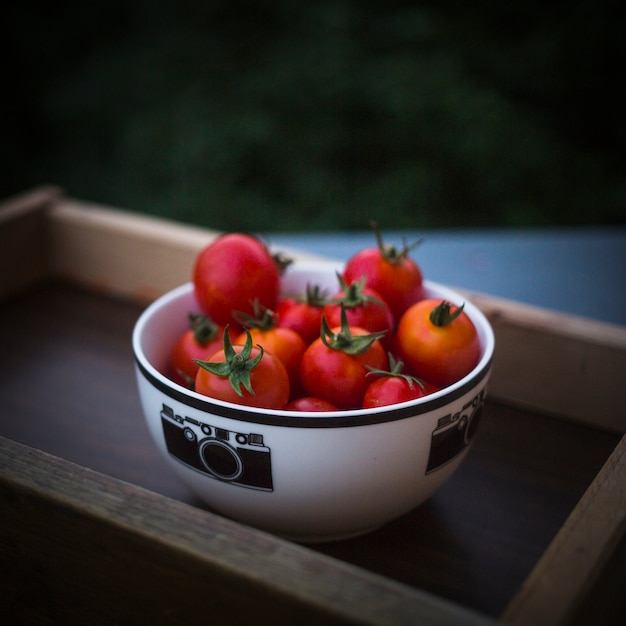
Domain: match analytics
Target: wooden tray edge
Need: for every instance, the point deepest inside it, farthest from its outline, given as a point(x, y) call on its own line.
point(174, 543)
point(23, 241)
point(567, 570)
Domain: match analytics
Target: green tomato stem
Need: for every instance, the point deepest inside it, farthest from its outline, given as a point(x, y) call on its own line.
point(344, 340)
point(237, 366)
point(441, 315)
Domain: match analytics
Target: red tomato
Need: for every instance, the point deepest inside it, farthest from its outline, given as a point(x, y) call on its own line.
point(304, 315)
point(391, 390)
point(284, 343)
point(438, 341)
point(309, 403)
point(329, 371)
point(202, 339)
point(364, 308)
point(245, 375)
point(390, 272)
point(233, 271)
point(393, 386)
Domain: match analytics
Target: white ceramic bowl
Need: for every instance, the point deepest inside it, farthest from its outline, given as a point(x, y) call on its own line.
point(308, 477)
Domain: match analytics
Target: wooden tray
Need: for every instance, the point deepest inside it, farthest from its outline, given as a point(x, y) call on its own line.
point(530, 530)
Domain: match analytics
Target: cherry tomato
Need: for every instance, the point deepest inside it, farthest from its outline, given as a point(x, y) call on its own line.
point(334, 366)
point(231, 272)
point(309, 403)
point(393, 386)
point(303, 314)
point(438, 341)
point(245, 375)
point(202, 339)
point(364, 308)
point(285, 344)
point(385, 391)
point(390, 272)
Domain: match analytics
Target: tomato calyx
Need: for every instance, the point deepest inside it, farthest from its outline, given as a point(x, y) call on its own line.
point(345, 340)
point(237, 366)
point(442, 315)
point(395, 371)
point(314, 296)
point(282, 261)
point(262, 317)
point(353, 293)
point(389, 252)
point(203, 328)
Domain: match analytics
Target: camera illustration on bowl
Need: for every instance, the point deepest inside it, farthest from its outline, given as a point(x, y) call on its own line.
point(238, 458)
point(454, 432)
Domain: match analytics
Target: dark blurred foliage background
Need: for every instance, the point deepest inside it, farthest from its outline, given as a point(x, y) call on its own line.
point(287, 115)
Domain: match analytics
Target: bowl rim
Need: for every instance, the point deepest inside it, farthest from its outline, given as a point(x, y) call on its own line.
point(306, 419)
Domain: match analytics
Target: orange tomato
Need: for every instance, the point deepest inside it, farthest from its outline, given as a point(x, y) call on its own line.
point(437, 341)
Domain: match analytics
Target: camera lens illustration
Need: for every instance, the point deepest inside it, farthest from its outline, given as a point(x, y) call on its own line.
point(454, 432)
point(220, 459)
point(240, 459)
